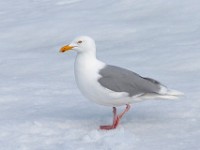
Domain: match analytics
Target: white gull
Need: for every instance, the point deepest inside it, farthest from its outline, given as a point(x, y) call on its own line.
point(110, 85)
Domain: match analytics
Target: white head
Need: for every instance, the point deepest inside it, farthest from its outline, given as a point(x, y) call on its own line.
point(81, 44)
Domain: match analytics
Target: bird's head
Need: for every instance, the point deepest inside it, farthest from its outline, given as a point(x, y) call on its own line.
point(80, 44)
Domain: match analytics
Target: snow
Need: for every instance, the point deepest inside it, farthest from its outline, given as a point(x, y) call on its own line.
point(40, 105)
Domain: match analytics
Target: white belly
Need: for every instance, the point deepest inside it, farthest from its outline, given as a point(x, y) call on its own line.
point(87, 75)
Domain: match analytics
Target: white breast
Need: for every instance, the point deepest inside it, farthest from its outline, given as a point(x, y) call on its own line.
point(87, 75)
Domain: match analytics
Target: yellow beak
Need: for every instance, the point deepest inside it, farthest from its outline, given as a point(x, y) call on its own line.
point(66, 48)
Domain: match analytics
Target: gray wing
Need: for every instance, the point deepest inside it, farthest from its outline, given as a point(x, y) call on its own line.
point(122, 80)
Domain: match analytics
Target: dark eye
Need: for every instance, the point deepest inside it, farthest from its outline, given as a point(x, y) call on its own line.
point(79, 42)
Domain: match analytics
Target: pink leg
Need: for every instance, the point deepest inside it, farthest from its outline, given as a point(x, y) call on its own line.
point(108, 127)
point(126, 110)
point(116, 118)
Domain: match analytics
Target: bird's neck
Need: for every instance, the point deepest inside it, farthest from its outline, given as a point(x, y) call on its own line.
point(91, 53)
point(87, 61)
point(84, 58)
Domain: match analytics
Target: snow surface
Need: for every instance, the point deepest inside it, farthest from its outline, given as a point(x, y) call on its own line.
point(40, 105)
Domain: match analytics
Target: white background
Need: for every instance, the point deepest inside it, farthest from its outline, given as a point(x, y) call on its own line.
point(40, 105)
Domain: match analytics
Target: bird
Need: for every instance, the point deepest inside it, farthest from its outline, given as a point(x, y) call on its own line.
point(110, 85)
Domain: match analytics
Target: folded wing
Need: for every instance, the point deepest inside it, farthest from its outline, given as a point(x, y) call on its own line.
point(122, 80)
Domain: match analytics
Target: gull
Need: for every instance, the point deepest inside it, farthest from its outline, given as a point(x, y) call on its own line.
point(111, 85)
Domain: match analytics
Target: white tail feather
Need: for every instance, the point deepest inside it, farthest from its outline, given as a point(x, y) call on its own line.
point(174, 92)
point(166, 93)
point(170, 94)
point(167, 97)
point(163, 94)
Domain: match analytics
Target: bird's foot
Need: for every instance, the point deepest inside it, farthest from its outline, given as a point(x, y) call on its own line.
point(110, 127)
point(107, 127)
point(116, 119)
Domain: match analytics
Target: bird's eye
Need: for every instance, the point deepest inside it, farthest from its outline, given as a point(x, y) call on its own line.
point(79, 42)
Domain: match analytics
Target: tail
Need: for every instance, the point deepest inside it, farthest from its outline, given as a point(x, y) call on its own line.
point(169, 93)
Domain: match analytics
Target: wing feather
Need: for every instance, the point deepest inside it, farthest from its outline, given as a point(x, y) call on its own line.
point(122, 80)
